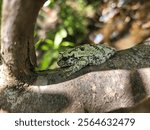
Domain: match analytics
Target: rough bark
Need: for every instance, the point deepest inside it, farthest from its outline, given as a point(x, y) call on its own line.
point(17, 50)
point(93, 89)
point(119, 85)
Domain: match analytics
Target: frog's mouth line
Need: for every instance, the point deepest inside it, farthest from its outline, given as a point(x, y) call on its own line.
point(70, 61)
point(67, 61)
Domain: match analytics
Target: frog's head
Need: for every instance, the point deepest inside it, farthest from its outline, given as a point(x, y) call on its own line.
point(66, 58)
point(70, 56)
point(64, 61)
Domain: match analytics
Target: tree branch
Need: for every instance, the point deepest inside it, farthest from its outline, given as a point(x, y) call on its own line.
point(89, 90)
point(17, 51)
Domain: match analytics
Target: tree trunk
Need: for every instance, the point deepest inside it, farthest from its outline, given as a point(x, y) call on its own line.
point(17, 50)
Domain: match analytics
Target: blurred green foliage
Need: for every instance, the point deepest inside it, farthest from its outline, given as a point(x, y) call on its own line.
point(70, 30)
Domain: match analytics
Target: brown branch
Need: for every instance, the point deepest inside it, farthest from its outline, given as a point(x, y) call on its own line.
point(89, 90)
point(17, 50)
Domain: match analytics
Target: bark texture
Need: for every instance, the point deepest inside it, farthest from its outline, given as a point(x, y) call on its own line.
point(17, 50)
point(93, 89)
point(119, 85)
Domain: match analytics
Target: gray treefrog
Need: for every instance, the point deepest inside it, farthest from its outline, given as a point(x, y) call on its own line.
point(74, 59)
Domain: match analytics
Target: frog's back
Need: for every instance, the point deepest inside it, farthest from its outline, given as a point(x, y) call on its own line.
point(91, 54)
point(100, 54)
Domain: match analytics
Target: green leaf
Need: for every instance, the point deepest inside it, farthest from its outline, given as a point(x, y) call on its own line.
point(35, 34)
point(67, 43)
point(45, 48)
point(37, 44)
point(49, 58)
point(46, 59)
point(50, 42)
point(59, 37)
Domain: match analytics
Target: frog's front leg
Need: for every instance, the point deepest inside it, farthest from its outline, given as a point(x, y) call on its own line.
point(76, 67)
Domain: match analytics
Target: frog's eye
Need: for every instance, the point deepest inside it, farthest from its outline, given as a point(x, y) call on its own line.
point(82, 48)
point(110, 54)
point(64, 58)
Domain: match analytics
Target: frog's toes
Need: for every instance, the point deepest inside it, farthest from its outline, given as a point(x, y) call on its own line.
point(68, 73)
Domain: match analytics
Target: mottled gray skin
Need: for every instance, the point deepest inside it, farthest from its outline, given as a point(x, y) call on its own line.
point(74, 59)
